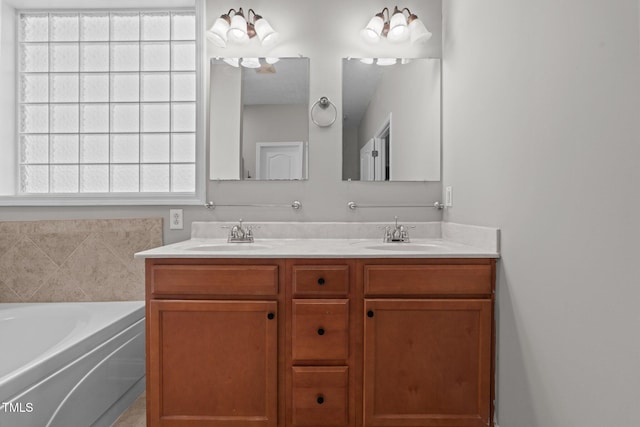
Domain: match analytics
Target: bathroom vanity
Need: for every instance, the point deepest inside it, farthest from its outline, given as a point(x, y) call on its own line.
point(281, 335)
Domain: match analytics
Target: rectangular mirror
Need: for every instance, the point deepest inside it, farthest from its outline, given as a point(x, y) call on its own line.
point(391, 119)
point(259, 121)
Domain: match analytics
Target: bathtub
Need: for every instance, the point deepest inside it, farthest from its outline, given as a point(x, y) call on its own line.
point(70, 364)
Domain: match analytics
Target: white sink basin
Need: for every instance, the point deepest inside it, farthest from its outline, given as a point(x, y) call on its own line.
point(405, 247)
point(229, 247)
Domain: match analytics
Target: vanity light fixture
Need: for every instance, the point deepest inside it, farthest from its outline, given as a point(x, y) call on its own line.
point(396, 28)
point(234, 27)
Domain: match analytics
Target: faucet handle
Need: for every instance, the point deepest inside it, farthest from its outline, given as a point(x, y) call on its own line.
point(251, 227)
point(386, 237)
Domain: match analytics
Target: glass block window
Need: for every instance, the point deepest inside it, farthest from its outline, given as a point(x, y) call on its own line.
point(107, 102)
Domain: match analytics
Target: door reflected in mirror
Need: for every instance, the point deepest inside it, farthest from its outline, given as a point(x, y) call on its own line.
point(391, 119)
point(259, 122)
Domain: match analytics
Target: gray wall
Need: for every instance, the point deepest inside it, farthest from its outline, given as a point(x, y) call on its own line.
point(542, 139)
point(225, 120)
point(350, 153)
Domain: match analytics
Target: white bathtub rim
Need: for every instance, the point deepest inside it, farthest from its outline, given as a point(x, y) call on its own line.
point(59, 357)
point(99, 365)
point(106, 348)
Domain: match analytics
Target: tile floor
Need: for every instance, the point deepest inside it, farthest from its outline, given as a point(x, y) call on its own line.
point(135, 416)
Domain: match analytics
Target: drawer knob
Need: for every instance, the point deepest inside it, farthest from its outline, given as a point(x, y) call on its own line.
point(270, 316)
point(370, 313)
point(320, 400)
point(321, 281)
point(320, 331)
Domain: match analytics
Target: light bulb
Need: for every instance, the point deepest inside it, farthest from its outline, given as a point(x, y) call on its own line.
point(238, 29)
point(419, 32)
point(234, 62)
point(250, 62)
point(386, 61)
point(265, 32)
point(217, 34)
point(373, 31)
point(367, 61)
point(398, 30)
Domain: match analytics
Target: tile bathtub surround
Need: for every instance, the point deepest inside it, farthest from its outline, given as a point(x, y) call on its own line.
point(75, 260)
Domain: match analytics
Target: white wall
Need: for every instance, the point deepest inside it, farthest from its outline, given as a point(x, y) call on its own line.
point(271, 123)
point(542, 139)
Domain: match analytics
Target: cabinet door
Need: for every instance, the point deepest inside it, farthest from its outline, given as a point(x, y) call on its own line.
point(427, 362)
point(212, 363)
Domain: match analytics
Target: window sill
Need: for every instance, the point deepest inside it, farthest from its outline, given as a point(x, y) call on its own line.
point(111, 200)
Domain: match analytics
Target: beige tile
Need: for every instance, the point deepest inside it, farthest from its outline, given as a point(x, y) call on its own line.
point(7, 240)
point(124, 244)
point(7, 295)
point(25, 267)
point(135, 416)
point(58, 246)
point(95, 255)
point(11, 227)
point(60, 288)
point(100, 274)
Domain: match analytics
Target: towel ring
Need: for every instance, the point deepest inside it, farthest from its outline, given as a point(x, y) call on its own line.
point(323, 112)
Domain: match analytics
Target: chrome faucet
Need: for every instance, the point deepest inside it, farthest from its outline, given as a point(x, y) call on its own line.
point(238, 234)
point(397, 234)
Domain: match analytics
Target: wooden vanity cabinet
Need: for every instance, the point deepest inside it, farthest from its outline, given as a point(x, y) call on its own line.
point(320, 342)
point(213, 333)
point(428, 342)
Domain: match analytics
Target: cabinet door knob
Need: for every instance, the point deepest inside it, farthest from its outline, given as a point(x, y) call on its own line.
point(321, 281)
point(270, 316)
point(321, 331)
point(320, 400)
point(370, 313)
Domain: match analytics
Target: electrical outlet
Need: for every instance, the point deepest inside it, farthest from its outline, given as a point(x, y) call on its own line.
point(175, 219)
point(448, 196)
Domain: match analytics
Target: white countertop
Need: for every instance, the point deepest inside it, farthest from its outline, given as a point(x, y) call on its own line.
point(318, 248)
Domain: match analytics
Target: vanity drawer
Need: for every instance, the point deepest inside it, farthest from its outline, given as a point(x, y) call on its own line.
point(214, 280)
point(320, 396)
point(318, 280)
point(320, 330)
point(459, 279)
